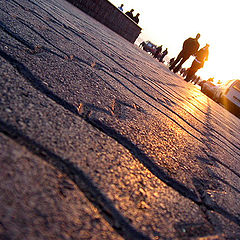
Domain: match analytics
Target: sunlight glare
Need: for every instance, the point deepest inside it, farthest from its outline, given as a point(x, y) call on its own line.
point(169, 23)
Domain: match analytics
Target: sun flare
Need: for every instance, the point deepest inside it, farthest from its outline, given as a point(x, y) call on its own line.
point(169, 23)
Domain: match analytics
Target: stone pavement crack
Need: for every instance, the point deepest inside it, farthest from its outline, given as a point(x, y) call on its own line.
point(159, 173)
point(169, 96)
point(105, 206)
point(41, 36)
point(26, 43)
point(74, 31)
point(202, 140)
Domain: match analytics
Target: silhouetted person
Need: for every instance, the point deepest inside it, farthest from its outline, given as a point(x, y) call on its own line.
point(183, 72)
point(158, 51)
point(201, 57)
point(190, 47)
point(196, 81)
point(141, 44)
point(164, 53)
point(121, 7)
point(130, 13)
point(136, 19)
point(171, 61)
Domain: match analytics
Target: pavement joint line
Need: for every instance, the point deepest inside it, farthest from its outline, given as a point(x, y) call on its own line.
point(206, 205)
point(213, 205)
point(36, 83)
point(168, 108)
point(181, 189)
point(152, 105)
point(33, 49)
point(31, 46)
point(26, 43)
point(223, 164)
point(85, 184)
point(40, 18)
point(180, 106)
point(74, 31)
point(40, 35)
point(175, 121)
point(105, 206)
point(159, 173)
point(145, 160)
point(39, 86)
point(15, 36)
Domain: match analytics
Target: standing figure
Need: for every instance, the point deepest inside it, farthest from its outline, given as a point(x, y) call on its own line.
point(136, 19)
point(158, 51)
point(201, 57)
point(142, 44)
point(130, 13)
point(164, 53)
point(190, 47)
point(171, 61)
point(121, 7)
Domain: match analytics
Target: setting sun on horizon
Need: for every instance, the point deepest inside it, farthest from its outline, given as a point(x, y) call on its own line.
point(169, 23)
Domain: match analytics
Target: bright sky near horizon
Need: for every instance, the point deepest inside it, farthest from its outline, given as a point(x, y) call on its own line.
point(169, 23)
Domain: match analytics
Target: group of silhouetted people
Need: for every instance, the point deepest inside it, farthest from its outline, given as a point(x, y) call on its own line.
point(130, 14)
point(159, 54)
point(190, 48)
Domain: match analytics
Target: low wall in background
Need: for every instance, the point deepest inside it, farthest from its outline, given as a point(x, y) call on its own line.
point(106, 13)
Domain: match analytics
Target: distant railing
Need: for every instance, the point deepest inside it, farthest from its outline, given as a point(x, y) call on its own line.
point(106, 13)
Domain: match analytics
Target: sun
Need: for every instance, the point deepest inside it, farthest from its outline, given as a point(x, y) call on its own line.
point(211, 69)
point(171, 29)
point(218, 66)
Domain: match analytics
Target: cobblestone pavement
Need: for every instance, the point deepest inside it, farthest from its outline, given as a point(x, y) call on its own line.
point(101, 141)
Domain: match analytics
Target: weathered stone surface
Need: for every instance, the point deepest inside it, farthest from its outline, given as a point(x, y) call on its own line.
point(105, 141)
point(40, 202)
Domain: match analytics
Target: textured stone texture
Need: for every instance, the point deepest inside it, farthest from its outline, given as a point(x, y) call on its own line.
point(101, 141)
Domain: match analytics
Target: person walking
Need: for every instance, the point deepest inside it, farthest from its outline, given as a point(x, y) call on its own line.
point(171, 61)
point(158, 51)
point(201, 57)
point(130, 13)
point(164, 53)
point(190, 47)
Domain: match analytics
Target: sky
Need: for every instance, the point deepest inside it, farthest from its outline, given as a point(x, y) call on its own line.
point(169, 23)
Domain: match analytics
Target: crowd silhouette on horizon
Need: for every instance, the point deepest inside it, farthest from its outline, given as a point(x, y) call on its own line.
point(130, 15)
point(156, 53)
point(190, 48)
